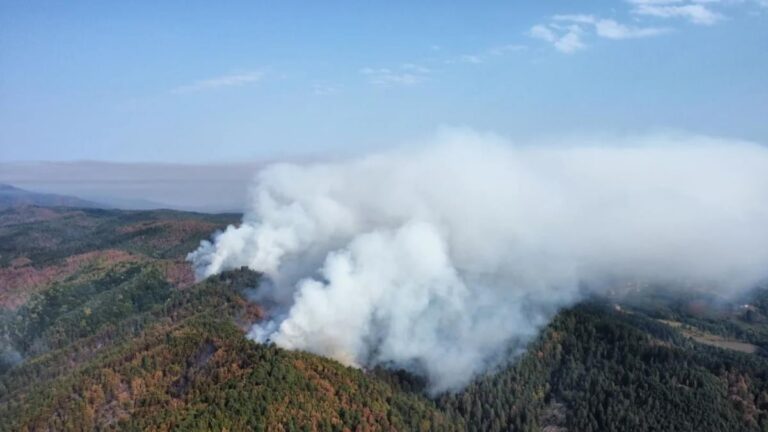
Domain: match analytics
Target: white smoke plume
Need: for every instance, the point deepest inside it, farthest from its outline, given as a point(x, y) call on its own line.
point(442, 259)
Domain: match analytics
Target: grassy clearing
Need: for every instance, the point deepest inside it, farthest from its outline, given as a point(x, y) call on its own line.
point(710, 339)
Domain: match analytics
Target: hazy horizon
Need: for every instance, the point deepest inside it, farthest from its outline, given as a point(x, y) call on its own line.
point(195, 187)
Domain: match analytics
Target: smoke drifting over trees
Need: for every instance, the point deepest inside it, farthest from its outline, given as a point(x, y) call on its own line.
point(445, 259)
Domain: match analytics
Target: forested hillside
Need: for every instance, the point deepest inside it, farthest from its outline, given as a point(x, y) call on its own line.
point(103, 328)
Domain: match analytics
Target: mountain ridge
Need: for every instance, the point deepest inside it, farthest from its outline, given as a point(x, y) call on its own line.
point(14, 196)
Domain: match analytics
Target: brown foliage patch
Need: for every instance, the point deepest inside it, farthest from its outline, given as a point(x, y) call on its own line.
point(179, 273)
point(19, 281)
point(171, 231)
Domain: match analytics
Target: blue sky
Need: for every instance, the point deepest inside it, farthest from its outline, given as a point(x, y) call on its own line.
point(200, 82)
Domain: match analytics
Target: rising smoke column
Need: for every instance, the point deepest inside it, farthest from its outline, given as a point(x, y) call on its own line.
point(445, 258)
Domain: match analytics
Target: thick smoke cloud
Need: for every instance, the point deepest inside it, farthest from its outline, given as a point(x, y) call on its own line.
point(446, 258)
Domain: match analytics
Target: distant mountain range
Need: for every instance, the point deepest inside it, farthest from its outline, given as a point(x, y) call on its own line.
point(11, 196)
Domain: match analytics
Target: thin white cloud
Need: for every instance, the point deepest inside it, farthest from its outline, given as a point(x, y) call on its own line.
point(697, 14)
point(504, 49)
point(655, 2)
point(566, 32)
point(566, 40)
point(415, 68)
point(487, 54)
point(570, 41)
point(324, 89)
point(577, 18)
point(543, 32)
point(406, 74)
point(468, 58)
point(695, 11)
point(611, 29)
point(232, 80)
point(412, 73)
